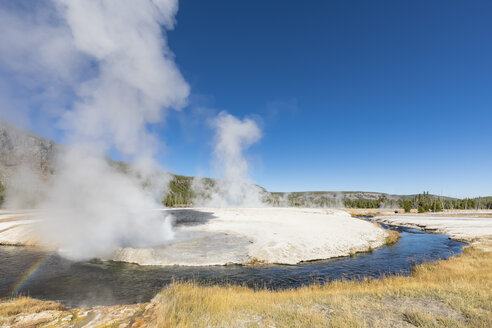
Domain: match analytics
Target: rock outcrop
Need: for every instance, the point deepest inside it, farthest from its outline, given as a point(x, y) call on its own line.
point(21, 147)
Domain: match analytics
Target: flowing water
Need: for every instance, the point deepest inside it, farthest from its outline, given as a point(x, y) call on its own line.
point(43, 275)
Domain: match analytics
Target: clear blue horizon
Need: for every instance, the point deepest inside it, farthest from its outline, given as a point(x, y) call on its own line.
point(386, 96)
point(383, 96)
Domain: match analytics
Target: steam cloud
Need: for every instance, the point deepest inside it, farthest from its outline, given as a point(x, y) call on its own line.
point(113, 56)
point(234, 187)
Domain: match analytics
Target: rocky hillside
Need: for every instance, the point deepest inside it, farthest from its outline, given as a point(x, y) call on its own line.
point(21, 147)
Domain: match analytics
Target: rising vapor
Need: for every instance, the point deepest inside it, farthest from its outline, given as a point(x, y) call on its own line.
point(234, 188)
point(125, 79)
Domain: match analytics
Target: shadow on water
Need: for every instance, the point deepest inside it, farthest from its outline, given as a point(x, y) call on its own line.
point(105, 283)
point(190, 217)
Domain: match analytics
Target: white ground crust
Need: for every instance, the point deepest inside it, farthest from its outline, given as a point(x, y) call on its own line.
point(16, 228)
point(218, 236)
point(464, 228)
point(210, 236)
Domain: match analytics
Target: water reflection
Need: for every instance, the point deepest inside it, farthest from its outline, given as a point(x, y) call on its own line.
point(104, 283)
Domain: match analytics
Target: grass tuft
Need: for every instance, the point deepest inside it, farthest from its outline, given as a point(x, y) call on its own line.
point(392, 237)
point(452, 293)
point(24, 305)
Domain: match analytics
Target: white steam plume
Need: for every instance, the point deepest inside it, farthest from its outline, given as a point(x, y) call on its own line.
point(91, 208)
point(137, 75)
point(234, 188)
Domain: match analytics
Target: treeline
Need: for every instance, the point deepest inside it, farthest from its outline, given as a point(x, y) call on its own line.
point(296, 199)
point(371, 203)
point(180, 192)
point(480, 203)
point(2, 193)
point(425, 203)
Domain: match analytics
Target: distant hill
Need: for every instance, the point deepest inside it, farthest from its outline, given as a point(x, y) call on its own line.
point(22, 147)
point(339, 198)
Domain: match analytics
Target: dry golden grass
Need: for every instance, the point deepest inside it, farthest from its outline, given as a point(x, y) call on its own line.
point(26, 312)
point(392, 235)
point(452, 293)
point(478, 215)
point(392, 238)
point(372, 211)
point(25, 306)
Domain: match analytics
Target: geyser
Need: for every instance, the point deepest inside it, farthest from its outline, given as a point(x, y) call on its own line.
point(125, 79)
point(234, 188)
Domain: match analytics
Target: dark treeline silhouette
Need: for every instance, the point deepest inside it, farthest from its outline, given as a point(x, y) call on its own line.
point(371, 203)
point(2, 193)
point(423, 203)
point(180, 192)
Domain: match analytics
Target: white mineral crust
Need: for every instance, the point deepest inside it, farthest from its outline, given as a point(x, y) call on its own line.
point(214, 236)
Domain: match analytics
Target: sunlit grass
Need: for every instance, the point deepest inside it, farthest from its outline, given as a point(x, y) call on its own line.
point(453, 293)
point(9, 309)
point(392, 238)
point(456, 292)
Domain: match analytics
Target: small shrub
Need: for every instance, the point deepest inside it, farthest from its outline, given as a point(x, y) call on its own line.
point(2, 193)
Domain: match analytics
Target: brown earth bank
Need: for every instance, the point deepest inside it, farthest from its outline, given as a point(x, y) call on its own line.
point(453, 293)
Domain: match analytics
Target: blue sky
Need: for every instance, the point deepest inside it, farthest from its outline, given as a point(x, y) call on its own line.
point(390, 96)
